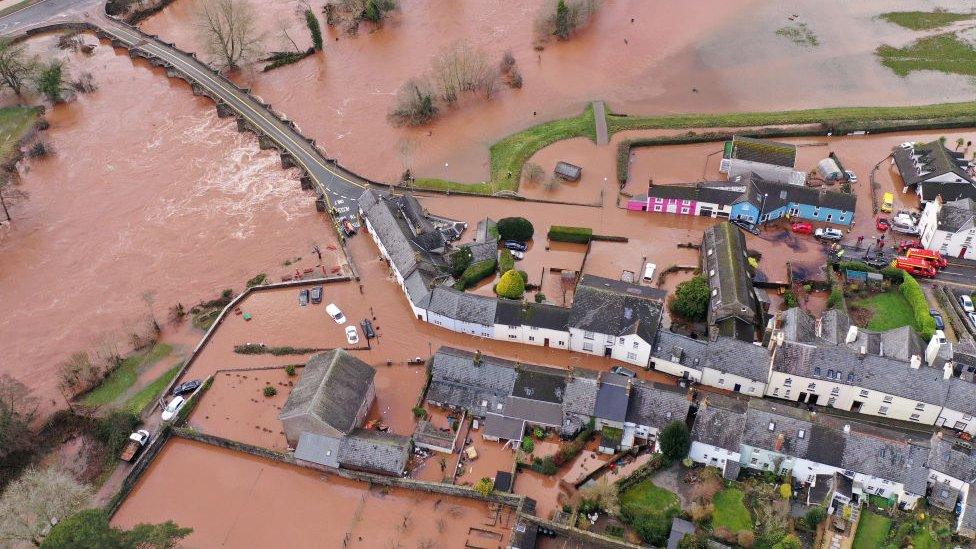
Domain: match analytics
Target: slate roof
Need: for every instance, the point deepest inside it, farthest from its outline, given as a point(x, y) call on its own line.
point(724, 264)
point(967, 521)
point(611, 402)
point(944, 496)
point(508, 312)
point(679, 349)
point(417, 289)
point(481, 234)
point(504, 427)
point(934, 160)
point(537, 383)
point(539, 315)
point(779, 195)
point(375, 451)
point(834, 325)
point(902, 343)
point(607, 306)
point(483, 251)
point(657, 405)
point(720, 423)
point(899, 379)
point(715, 192)
point(738, 357)
point(953, 457)
point(763, 151)
point(798, 325)
point(331, 389)
point(957, 215)
point(767, 426)
point(318, 449)
point(457, 381)
point(581, 391)
point(427, 433)
point(538, 412)
point(458, 305)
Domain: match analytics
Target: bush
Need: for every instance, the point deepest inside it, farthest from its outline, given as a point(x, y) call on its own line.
point(114, 429)
point(415, 105)
point(580, 235)
point(256, 281)
point(525, 276)
point(856, 266)
point(652, 527)
point(545, 466)
point(419, 412)
point(314, 29)
point(506, 262)
point(290, 370)
point(475, 273)
point(533, 173)
point(785, 490)
point(690, 299)
point(484, 486)
point(814, 517)
point(515, 228)
point(527, 445)
point(789, 299)
point(540, 297)
point(836, 298)
point(893, 274)
point(924, 323)
point(746, 538)
point(539, 433)
point(511, 285)
point(460, 260)
point(270, 391)
point(675, 441)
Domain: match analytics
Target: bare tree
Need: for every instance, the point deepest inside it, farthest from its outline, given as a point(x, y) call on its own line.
point(415, 104)
point(17, 409)
point(38, 499)
point(17, 68)
point(78, 373)
point(228, 28)
point(9, 194)
point(604, 494)
point(461, 68)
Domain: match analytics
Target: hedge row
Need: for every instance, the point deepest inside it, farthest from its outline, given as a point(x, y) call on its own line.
point(561, 233)
point(475, 273)
point(924, 323)
point(505, 261)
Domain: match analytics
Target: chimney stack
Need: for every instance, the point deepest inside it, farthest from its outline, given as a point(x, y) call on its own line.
point(851, 335)
point(847, 428)
point(947, 370)
point(780, 439)
point(916, 362)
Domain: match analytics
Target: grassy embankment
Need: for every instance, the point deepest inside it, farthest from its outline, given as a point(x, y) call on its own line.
point(510, 154)
point(15, 122)
point(122, 378)
point(924, 20)
point(942, 52)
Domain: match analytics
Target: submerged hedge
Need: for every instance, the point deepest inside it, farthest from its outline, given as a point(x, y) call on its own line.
point(475, 274)
point(561, 233)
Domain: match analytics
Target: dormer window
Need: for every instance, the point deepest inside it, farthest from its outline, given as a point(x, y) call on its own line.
point(801, 433)
point(772, 426)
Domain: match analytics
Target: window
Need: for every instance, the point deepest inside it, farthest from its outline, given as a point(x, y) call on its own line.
point(914, 417)
point(812, 387)
point(621, 341)
point(531, 338)
point(888, 399)
point(588, 347)
point(816, 371)
point(721, 381)
point(631, 356)
point(512, 327)
point(686, 202)
point(788, 381)
point(512, 336)
point(830, 373)
point(835, 391)
point(850, 377)
point(499, 406)
point(801, 433)
point(587, 335)
point(830, 217)
point(959, 426)
point(685, 210)
point(864, 393)
point(709, 252)
point(967, 418)
point(636, 344)
point(711, 272)
point(755, 461)
point(484, 403)
point(772, 426)
point(714, 292)
point(657, 207)
point(920, 406)
point(831, 401)
point(883, 410)
point(534, 328)
point(776, 391)
point(752, 389)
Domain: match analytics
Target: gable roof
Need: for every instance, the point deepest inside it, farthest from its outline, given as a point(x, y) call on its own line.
point(538, 315)
point(318, 449)
point(953, 457)
point(720, 422)
point(657, 405)
point(331, 389)
point(616, 308)
point(763, 151)
point(463, 306)
point(961, 396)
point(581, 393)
point(375, 451)
point(902, 343)
point(713, 192)
point(957, 215)
point(738, 357)
point(798, 325)
point(464, 379)
point(679, 349)
point(612, 401)
point(724, 264)
point(504, 427)
point(924, 161)
point(537, 383)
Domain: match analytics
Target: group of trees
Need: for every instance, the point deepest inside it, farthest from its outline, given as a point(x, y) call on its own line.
point(229, 32)
point(350, 13)
point(22, 72)
point(457, 70)
point(562, 18)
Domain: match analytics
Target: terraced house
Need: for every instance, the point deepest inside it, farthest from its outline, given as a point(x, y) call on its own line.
point(932, 170)
point(733, 310)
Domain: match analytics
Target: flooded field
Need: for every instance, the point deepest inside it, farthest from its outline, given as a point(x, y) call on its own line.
point(230, 499)
point(630, 56)
point(171, 206)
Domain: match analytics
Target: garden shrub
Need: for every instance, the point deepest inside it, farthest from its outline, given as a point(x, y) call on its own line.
point(789, 299)
point(290, 370)
point(511, 285)
point(546, 466)
point(690, 300)
point(924, 323)
point(515, 228)
point(893, 274)
point(856, 266)
point(527, 445)
point(579, 235)
point(484, 486)
point(836, 298)
point(675, 441)
point(461, 260)
point(475, 273)
point(270, 391)
point(505, 261)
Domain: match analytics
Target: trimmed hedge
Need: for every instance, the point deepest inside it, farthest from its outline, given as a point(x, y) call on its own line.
point(924, 323)
point(475, 273)
point(562, 233)
point(505, 261)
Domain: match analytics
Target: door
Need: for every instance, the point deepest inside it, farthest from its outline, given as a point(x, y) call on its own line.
point(814, 398)
point(608, 351)
point(962, 253)
point(545, 342)
point(803, 397)
point(737, 388)
point(856, 407)
point(705, 212)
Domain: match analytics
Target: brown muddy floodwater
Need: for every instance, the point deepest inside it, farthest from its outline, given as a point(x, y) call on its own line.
point(148, 191)
point(641, 57)
point(231, 499)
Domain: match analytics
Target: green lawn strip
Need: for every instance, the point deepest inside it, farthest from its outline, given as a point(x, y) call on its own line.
point(138, 402)
point(924, 20)
point(925, 540)
point(872, 531)
point(942, 52)
point(14, 123)
point(123, 377)
point(890, 310)
point(730, 512)
point(649, 496)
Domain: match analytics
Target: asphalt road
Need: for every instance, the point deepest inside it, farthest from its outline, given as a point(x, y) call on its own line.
point(47, 12)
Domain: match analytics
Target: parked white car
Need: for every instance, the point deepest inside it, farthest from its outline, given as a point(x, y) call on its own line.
point(649, 272)
point(828, 234)
point(352, 336)
point(967, 303)
point(173, 408)
point(851, 176)
point(335, 313)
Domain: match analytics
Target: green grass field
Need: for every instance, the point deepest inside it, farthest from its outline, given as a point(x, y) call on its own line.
point(119, 381)
point(924, 20)
point(649, 496)
point(138, 402)
point(872, 531)
point(730, 512)
point(14, 123)
point(942, 52)
point(890, 310)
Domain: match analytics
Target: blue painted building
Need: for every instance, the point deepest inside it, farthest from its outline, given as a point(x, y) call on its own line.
point(765, 201)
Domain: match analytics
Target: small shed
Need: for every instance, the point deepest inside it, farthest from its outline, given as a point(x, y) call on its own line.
point(829, 170)
point(568, 171)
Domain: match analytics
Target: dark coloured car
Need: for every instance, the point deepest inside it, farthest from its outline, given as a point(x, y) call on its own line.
point(939, 323)
point(368, 329)
point(186, 387)
point(316, 295)
point(515, 245)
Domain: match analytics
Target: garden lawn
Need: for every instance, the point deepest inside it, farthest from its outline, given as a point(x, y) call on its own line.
point(924, 20)
point(123, 377)
point(138, 402)
point(872, 531)
point(942, 52)
point(889, 310)
point(649, 496)
point(730, 512)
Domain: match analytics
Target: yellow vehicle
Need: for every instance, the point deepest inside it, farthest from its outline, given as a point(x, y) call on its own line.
point(888, 202)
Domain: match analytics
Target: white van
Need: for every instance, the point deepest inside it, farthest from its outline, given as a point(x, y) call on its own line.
point(649, 272)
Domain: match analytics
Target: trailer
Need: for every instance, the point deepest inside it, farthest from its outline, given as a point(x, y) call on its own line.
point(137, 441)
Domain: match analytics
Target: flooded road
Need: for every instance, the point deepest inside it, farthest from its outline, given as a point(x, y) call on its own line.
point(233, 499)
point(173, 205)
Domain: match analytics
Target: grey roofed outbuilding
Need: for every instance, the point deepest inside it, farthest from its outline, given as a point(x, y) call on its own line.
point(504, 427)
point(607, 306)
point(483, 230)
point(944, 496)
point(738, 357)
point(657, 405)
point(318, 449)
point(375, 451)
point(957, 215)
point(961, 396)
point(483, 251)
point(536, 412)
point(463, 379)
point(763, 151)
point(458, 305)
point(331, 390)
point(570, 172)
point(611, 402)
point(953, 457)
point(720, 423)
point(679, 349)
point(732, 307)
